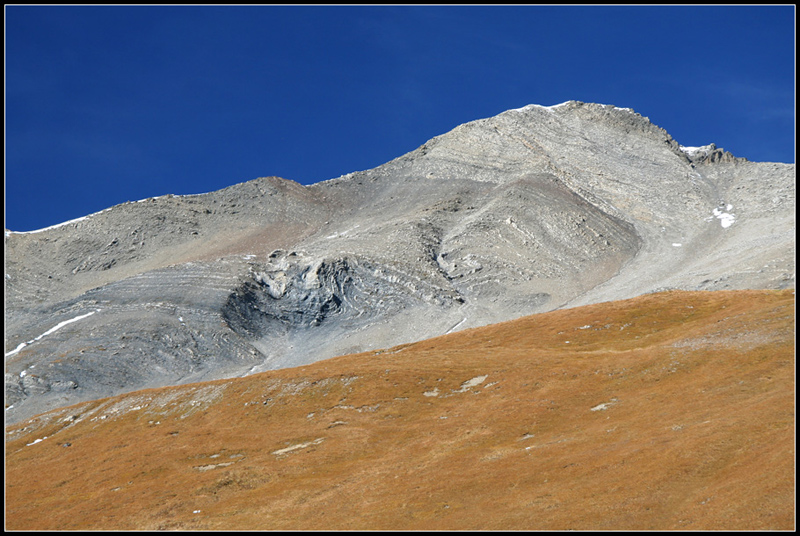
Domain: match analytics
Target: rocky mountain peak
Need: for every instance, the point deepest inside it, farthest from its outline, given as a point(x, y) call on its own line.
point(709, 154)
point(535, 209)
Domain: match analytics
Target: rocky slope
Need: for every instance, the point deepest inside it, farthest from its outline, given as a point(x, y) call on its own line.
point(669, 411)
point(533, 210)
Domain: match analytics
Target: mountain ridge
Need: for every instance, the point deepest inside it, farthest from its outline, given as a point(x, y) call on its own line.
point(531, 210)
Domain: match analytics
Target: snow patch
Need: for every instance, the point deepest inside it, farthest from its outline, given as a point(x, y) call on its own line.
point(531, 106)
point(691, 152)
point(451, 330)
point(76, 220)
point(51, 330)
point(554, 106)
point(82, 218)
point(726, 219)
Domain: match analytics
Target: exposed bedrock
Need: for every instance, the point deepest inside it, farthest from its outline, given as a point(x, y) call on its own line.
point(532, 210)
point(297, 293)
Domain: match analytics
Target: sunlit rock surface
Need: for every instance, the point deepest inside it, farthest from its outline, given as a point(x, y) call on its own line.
point(536, 209)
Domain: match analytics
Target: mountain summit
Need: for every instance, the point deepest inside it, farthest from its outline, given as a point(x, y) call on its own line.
point(532, 210)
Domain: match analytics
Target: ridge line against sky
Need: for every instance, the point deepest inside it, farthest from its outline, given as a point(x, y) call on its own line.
point(108, 104)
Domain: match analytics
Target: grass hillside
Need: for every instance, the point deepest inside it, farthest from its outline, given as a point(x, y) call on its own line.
point(668, 411)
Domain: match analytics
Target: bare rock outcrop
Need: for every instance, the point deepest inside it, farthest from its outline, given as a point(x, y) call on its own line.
point(535, 209)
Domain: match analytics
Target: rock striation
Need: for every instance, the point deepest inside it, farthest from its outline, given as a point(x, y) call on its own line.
point(535, 209)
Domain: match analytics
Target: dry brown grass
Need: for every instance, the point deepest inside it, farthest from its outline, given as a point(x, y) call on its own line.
point(668, 411)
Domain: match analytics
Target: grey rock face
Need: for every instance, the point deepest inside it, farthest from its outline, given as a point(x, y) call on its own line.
point(534, 209)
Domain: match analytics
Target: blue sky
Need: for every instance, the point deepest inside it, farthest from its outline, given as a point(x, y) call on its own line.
point(112, 104)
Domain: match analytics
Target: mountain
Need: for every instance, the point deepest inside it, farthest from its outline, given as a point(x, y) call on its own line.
point(669, 411)
point(536, 209)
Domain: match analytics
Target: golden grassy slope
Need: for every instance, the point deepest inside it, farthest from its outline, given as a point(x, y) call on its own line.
point(667, 411)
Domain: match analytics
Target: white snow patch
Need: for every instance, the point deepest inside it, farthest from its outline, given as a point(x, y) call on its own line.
point(51, 330)
point(168, 196)
point(17, 349)
point(554, 106)
point(694, 151)
point(451, 330)
point(76, 220)
point(530, 106)
point(36, 441)
point(676, 244)
point(726, 219)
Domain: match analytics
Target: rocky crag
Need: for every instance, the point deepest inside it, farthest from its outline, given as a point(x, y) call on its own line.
point(536, 209)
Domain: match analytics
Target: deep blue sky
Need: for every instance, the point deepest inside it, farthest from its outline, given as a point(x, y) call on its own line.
point(112, 104)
